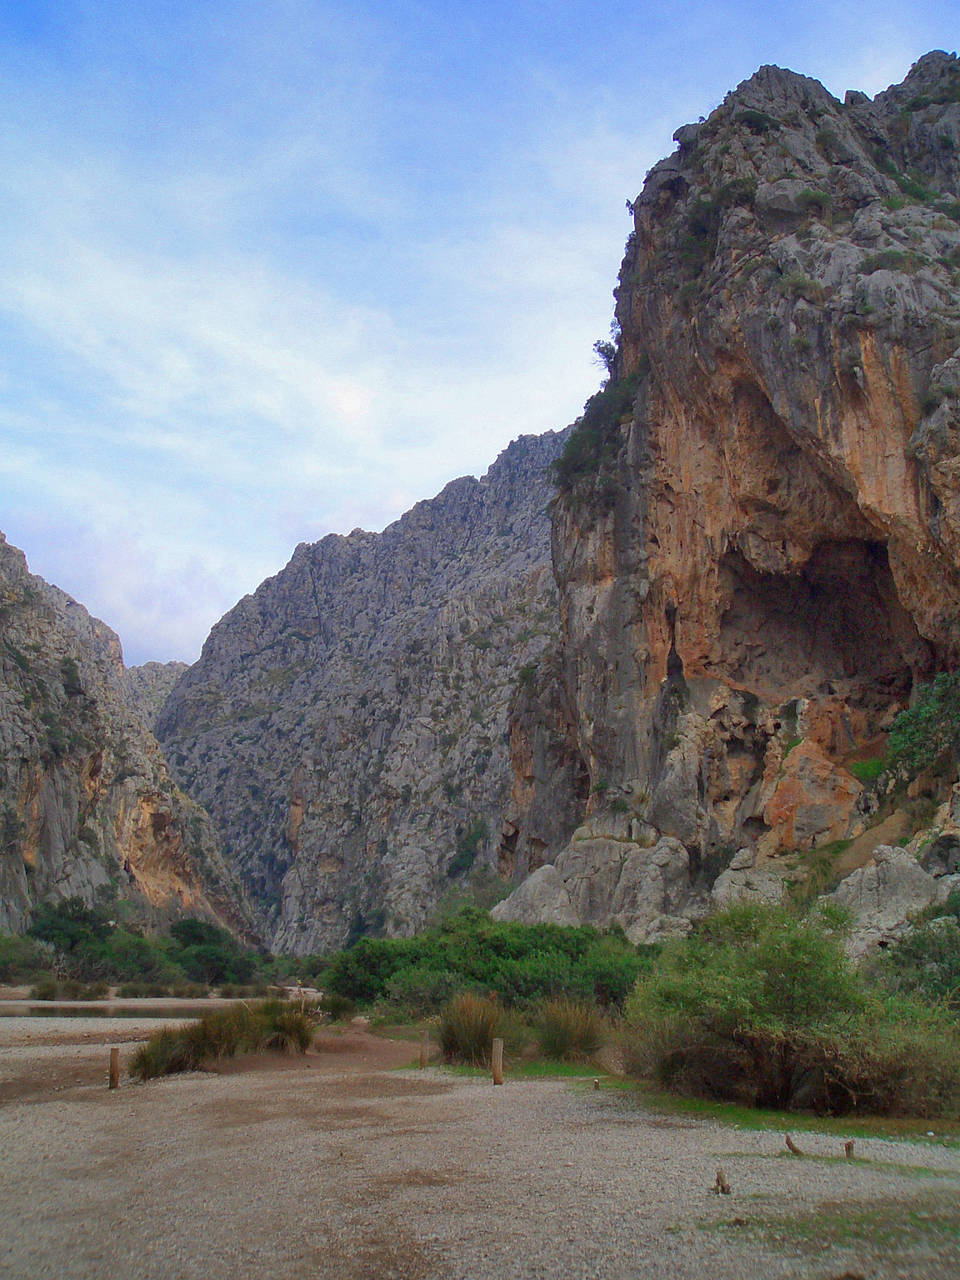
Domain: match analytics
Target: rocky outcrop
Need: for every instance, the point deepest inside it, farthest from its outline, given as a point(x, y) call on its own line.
point(757, 542)
point(86, 804)
point(349, 728)
point(881, 898)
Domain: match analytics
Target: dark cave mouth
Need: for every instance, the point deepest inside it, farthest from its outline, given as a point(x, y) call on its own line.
point(836, 628)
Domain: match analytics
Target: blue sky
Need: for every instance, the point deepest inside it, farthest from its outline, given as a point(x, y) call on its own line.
point(281, 268)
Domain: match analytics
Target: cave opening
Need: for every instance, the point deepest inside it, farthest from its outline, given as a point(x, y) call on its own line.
point(834, 629)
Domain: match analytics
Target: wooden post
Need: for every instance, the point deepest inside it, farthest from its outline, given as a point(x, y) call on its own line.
point(114, 1068)
point(424, 1048)
point(498, 1061)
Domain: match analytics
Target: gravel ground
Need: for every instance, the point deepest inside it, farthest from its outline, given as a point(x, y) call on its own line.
point(342, 1167)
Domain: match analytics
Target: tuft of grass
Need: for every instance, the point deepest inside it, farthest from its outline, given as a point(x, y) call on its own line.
point(468, 1026)
point(271, 1024)
point(569, 1030)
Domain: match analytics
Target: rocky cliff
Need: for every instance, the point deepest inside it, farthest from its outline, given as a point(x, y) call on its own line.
point(149, 685)
point(757, 541)
point(86, 804)
point(347, 725)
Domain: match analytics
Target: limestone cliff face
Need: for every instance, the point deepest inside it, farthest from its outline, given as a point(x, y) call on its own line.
point(758, 543)
point(149, 685)
point(85, 799)
point(347, 725)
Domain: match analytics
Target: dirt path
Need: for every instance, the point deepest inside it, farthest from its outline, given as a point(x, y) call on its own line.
point(343, 1166)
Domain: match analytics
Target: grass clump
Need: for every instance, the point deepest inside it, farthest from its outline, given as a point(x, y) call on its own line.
point(761, 1006)
point(569, 1030)
point(468, 1026)
point(271, 1024)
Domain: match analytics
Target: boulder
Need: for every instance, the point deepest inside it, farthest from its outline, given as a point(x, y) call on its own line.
point(883, 896)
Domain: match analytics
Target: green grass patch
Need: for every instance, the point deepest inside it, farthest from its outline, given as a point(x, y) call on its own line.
point(867, 771)
point(761, 1119)
point(888, 1226)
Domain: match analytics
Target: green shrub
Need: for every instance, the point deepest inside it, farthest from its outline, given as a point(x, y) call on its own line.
point(571, 1030)
point(418, 991)
point(521, 963)
point(67, 989)
point(928, 733)
point(166, 1052)
point(761, 1006)
point(189, 991)
point(757, 121)
point(336, 1006)
point(134, 990)
point(21, 959)
point(595, 436)
point(468, 1026)
point(925, 964)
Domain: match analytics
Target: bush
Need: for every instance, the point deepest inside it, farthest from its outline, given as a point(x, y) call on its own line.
point(571, 1030)
point(245, 991)
point(137, 990)
point(21, 959)
point(468, 1026)
point(67, 989)
point(762, 1007)
point(336, 1007)
point(929, 732)
point(924, 964)
point(419, 991)
point(272, 1024)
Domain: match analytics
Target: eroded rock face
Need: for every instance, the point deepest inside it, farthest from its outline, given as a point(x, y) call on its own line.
point(348, 725)
point(86, 803)
point(762, 554)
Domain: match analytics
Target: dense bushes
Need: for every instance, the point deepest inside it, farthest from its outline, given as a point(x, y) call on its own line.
point(522, 964)
point(274, 1024)
point(762, 1006)
point(90, 946)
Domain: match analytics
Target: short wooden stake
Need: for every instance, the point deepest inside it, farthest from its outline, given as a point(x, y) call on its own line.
point(848, 1149)
point(498, 1061)
point(424, 1048)
point(114, 1068)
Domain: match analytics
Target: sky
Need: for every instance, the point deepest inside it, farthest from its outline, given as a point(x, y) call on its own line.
point(275, 269)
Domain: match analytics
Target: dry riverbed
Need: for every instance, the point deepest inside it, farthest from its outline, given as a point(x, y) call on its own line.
point(341, 1165)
